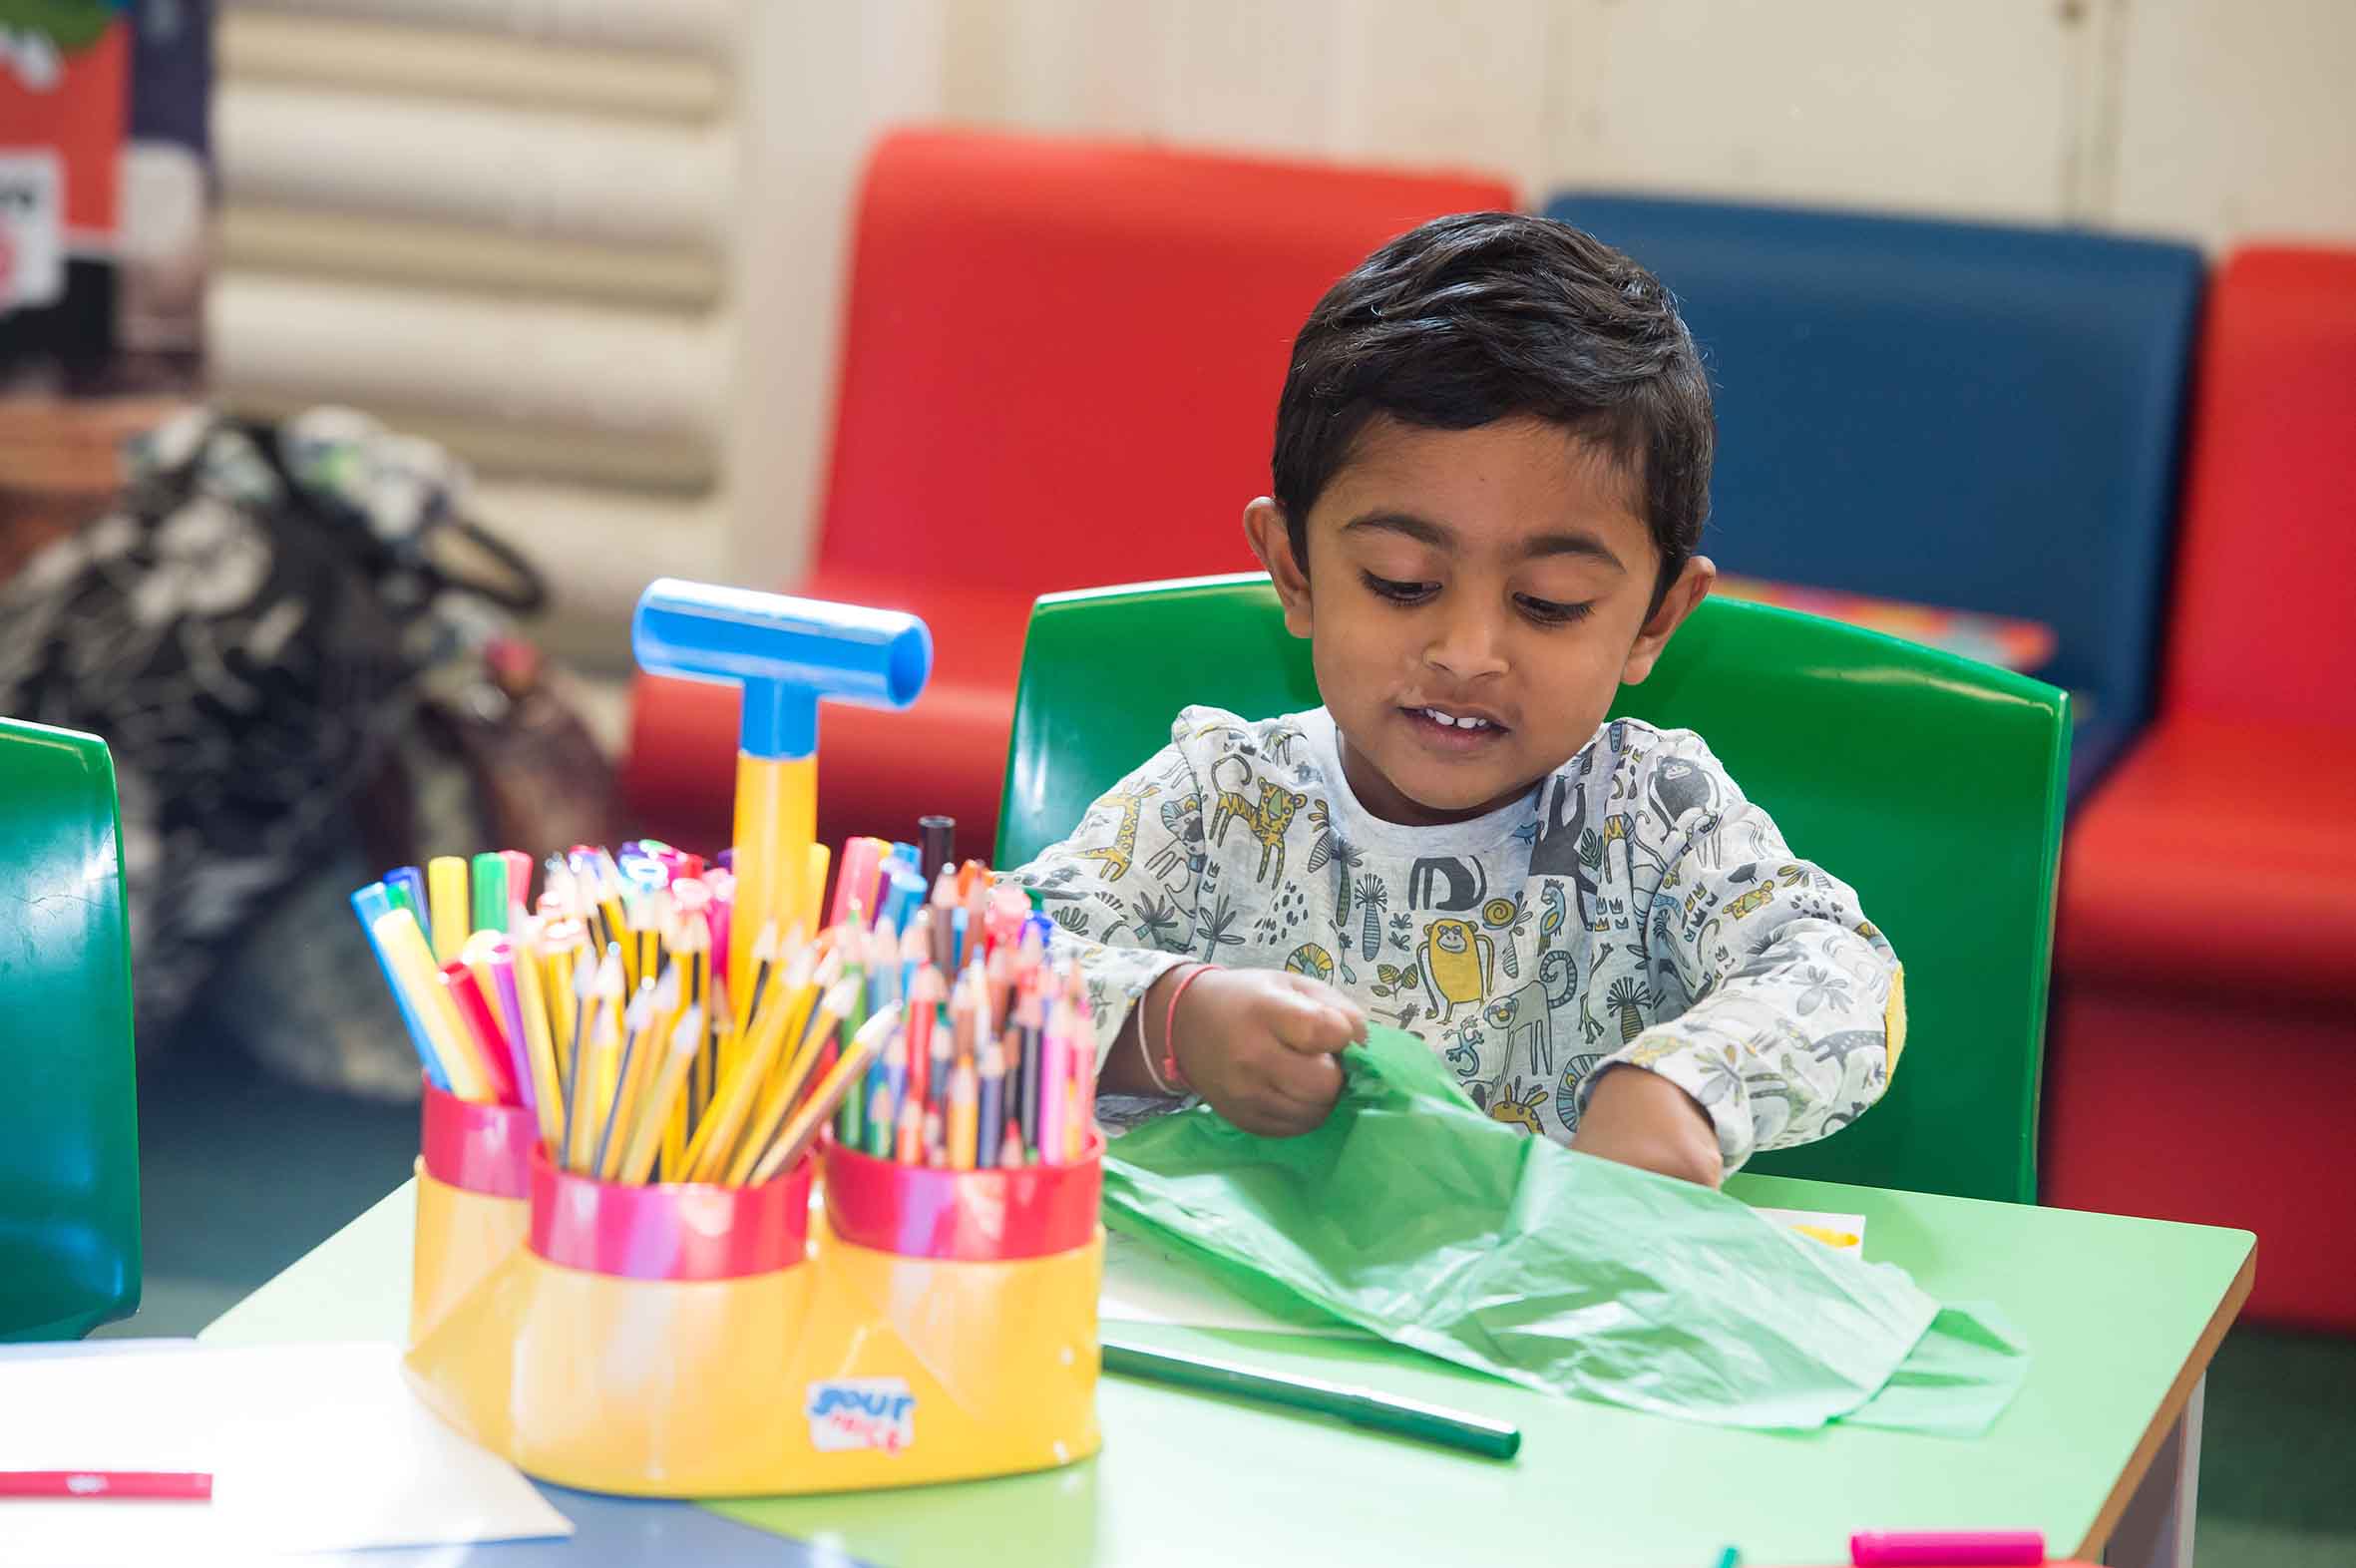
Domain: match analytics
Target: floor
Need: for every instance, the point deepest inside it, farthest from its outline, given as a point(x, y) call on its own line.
point(244, 1174)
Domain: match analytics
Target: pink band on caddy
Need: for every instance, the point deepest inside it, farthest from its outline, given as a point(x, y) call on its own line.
point(476, 1148)
point(668, 1230)
point(989, 1215)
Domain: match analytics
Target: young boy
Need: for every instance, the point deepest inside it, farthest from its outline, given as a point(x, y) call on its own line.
point(1492, 467)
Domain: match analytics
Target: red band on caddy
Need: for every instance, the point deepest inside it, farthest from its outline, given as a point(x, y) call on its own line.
point(979, 1216)
point(476, 1148)
point(669, 1230)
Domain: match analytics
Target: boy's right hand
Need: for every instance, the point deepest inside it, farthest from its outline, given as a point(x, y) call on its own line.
point(1263, 1046)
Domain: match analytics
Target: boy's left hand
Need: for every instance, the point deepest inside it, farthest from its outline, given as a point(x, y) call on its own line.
point(1642, 1119)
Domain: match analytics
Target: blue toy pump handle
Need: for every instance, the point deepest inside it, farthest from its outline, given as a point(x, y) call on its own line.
point(786, 652)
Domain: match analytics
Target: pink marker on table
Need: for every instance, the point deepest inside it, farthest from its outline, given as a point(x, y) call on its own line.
point(1946, 1548)
point(155, 1486)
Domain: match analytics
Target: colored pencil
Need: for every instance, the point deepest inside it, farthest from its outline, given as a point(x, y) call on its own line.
point(686, 1038)
point(924, 1017)
point(790, 1144)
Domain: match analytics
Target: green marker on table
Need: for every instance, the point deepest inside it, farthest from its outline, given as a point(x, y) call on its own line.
point(1359, 1407)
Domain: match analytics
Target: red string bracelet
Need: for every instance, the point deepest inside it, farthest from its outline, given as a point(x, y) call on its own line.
point(1170, 1028)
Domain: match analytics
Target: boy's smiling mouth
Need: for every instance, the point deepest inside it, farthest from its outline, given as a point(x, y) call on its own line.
point(1453, 729)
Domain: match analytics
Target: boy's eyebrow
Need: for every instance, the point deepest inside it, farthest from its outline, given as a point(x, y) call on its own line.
point(1425, 531)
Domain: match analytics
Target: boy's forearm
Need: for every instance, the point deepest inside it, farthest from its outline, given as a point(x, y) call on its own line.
point(1123, 1070)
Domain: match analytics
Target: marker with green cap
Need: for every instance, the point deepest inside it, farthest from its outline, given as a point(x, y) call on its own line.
point(1359, 1407)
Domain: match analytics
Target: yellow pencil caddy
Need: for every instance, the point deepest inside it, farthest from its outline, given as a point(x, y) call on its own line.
point(697, 1341)
point(472, 1213)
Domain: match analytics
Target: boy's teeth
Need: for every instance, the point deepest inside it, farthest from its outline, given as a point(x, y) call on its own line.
point(1437, 716)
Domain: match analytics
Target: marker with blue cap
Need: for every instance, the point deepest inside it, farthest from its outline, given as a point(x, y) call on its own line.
point(786, 653)
point(406, 885)
point(371, 903)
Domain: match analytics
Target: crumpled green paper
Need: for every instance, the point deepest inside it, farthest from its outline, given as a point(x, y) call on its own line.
point(1414, 1216)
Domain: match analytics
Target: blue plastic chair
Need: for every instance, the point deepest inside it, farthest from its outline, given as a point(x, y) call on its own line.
point(69, 1114)
point(1958, 414)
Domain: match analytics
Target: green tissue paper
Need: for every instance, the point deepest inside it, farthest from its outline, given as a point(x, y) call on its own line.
point(1414, 1216)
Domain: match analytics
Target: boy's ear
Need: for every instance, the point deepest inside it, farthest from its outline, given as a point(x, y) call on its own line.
point(1272, 542)
point(1690, 589)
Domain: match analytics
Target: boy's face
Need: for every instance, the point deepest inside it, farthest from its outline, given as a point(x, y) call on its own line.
point(1473, 600)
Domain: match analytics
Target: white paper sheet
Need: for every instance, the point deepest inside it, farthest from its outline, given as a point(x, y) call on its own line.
point(1833, 1230)
point(1143, 1283)
point(312, 1448)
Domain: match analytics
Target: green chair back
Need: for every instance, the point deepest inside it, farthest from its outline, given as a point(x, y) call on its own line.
point(69, 1117)
point(1930, 783)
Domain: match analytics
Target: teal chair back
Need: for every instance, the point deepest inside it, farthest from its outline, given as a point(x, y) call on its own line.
point(1930, 783)
point(69, 1117)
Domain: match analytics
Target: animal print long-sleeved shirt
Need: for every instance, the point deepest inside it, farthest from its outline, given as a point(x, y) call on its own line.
point(1633, 907)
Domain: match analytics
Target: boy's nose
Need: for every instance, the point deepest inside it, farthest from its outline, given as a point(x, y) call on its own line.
point(1467, 647)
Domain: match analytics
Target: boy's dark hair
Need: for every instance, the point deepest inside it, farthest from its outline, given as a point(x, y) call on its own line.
point(1482, 316)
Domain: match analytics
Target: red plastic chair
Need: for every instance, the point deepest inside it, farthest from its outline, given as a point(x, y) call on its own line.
point(1061, 368)
point(2202, 1058)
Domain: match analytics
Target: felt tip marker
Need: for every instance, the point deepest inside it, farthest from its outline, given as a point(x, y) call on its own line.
point(1945, 1548)
point(153, 1485)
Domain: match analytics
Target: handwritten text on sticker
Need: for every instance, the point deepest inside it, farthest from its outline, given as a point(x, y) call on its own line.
point(848, 1413)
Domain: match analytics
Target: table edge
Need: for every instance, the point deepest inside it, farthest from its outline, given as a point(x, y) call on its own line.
point(2171, 1405)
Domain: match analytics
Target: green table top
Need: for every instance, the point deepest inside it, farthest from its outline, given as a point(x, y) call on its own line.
point(2121, 1314)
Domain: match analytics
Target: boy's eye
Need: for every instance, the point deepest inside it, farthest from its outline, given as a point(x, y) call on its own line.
point(1547, 612)
point(1400, 593)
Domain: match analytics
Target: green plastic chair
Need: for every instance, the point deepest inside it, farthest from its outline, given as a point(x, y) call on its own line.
point(1930, 783)
point(68, 1113)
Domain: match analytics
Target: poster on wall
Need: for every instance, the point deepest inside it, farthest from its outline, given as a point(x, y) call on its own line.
point(105, 191)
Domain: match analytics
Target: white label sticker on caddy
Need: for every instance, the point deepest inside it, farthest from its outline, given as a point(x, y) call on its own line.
point(848, 1414)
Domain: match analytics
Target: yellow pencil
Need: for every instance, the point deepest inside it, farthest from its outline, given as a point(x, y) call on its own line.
point(720, 1022)
point(415, 972)
point(619, 937)
point(708, 1150)
point(632, 934)
point(604, 892)
point(822, 1103)
point(964, 1128)
point(653, 925)
point(598, 1043)
point(646, 1027)
point(638, 1032)
point(764, 961)
point(799, 1038)
point(785, 1085)
point(560, 942)
point(446, 898)
point(662, 1097)
point(695, 952)
point(674, 1144)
